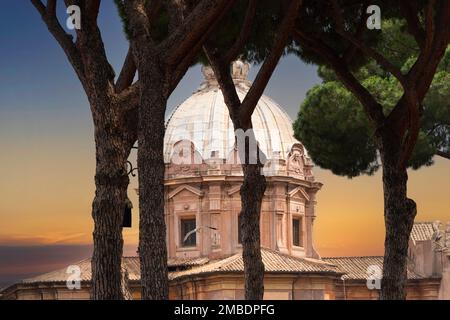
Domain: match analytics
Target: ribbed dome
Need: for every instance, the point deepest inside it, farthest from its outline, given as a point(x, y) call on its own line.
point(204, 120)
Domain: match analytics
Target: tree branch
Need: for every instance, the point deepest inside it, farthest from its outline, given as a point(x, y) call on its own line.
point(127, 73)
point(352, 50)
point(221, 70)
point(152, 9)
point(373, 109)
point(442, 154)
point(265, 72)
point(414, 25)
point(100, 76)
point(421, 75)
point(422, 72)
point(180, 42)
point(48, 15)
point(176, 14)
point(139, 21)
point(411, 127)
point(429, 25)
point(128, 99)
point(51, 8)
point(245, 32)
point(92, 9)
point(379, 58)
point(187, 61)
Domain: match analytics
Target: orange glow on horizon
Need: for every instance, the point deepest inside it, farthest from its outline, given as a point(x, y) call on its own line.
point(45, 204)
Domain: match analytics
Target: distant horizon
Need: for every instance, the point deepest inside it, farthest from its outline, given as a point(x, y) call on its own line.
point(59, 256)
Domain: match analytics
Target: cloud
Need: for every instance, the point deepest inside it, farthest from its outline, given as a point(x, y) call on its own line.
point(19, 262)
point(44, 239)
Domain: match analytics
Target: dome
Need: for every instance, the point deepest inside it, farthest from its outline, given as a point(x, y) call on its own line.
point(204, 120)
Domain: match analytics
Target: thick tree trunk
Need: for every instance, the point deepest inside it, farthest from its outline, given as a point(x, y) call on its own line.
point(111, 182)
point(252, 192)
point(152, 226)
point(399, 214)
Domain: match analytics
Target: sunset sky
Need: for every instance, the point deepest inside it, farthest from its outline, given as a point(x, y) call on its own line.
point(47, 155)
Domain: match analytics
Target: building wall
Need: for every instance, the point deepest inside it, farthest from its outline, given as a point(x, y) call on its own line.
point(416, 290)
point(231, 287)
point(444, 289)
point(217, 204)
point(47, 292)
point(430, 258)
point(209, 191)
point(276, 287)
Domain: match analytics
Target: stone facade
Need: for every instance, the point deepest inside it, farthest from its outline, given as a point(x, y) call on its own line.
point(210, 195)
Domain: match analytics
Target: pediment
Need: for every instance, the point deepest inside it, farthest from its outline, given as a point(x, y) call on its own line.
point(187, 187)
point(300, 191)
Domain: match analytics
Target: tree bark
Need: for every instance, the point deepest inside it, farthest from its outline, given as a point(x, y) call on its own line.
point(111, 182)
point(114, 113)
point(399, 214)
point(252, 192)
point(152, 226)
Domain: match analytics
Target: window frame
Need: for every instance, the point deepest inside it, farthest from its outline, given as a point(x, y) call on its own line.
point(183, 220)
point(299, 229)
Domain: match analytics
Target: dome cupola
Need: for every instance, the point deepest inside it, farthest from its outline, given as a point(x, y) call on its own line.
point(203, 119)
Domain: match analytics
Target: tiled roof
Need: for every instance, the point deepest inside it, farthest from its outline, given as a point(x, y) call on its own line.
point(61, 275)
point(187, 262)
point(355, 268)
point(131, 264)
point(274, 262)
point(422, 231)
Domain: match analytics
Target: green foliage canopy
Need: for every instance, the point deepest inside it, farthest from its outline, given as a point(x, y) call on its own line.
point(332, 124)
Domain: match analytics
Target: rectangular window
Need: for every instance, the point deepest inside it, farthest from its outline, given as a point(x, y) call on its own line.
point(188, 232)
point(297, 237)
point(239, 229)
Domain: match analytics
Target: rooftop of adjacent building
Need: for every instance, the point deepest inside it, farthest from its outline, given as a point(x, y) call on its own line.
point(348, 268)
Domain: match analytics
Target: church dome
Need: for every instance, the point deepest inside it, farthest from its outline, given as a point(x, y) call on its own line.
point(204, 120)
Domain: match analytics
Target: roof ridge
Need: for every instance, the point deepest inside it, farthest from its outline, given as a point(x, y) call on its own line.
point(55, 271)
point(229, 259)
point(349, 257)
point(300, 259)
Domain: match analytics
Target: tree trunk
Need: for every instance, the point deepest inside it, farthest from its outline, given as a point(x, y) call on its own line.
point(152, 226)
point(252, 192)
point(111, 182)
point(399, 214)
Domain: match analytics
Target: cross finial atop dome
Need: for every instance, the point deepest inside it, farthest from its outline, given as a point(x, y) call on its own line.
point(208, 73)
point(240, 69)
point(239, 73)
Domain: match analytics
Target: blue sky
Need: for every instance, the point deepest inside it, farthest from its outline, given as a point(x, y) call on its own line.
point(35, 69)
point(43, 107)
